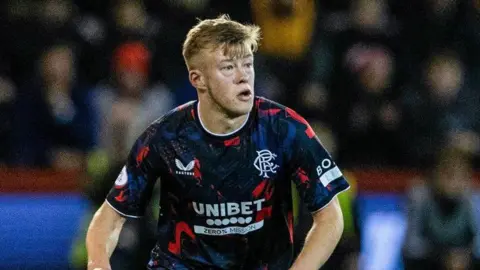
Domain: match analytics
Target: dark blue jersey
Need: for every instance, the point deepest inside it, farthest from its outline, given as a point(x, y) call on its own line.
point(225, 201)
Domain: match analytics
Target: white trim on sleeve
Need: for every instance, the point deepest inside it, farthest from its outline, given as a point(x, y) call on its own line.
point(330, 201)
point(116, 210)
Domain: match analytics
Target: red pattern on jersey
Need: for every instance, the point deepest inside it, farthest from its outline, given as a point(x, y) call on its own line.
point(269, 111)
point(269, 191)
point(258, 102)
point(232, 142)
point(220, 195)
point(142, 154)
point(266, 212)
point(192, 111)
point(264, 187)
point(197, 174)
point(290, 225)
point(176, 246)
point(303, 177)
point(309, 131)
point(121, 197)
point(258, 190)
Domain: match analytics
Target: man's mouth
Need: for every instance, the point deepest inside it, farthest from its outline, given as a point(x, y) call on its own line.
point(245, 93)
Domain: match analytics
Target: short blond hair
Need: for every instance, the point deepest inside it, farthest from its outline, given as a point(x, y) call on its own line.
point(234, 37)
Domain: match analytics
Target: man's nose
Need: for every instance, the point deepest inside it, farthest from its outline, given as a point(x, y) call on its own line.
point(241, 76)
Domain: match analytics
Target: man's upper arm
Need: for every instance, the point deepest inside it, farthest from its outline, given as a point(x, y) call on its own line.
point(110, 213)
point(331, 212)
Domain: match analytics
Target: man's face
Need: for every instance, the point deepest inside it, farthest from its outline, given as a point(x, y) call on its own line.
point(229, 81)
point(131, 82)
point(57, 66)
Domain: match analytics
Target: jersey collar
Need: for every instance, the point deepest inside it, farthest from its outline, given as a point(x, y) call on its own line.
point(218, 135)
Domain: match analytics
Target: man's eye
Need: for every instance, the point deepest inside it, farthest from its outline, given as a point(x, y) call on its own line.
point(229, 67)
point(249, 65)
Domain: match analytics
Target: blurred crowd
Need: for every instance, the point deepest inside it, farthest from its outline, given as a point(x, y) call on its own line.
point(384, 83)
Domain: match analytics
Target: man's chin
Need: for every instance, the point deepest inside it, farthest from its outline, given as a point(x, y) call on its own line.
point(241, 110)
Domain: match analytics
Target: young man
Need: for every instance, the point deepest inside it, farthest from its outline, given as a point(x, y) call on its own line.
point(225, 165)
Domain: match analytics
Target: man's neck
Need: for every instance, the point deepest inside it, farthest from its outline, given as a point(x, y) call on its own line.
point(217, 122)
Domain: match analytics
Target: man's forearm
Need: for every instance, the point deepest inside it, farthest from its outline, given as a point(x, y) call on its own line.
point(102, 237)
point(322, 238)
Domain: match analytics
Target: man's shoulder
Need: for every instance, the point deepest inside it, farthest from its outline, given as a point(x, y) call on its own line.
point(175, 118)
point(269, 108)
point(286, 119)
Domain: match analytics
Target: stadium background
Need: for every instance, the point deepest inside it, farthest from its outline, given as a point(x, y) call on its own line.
point(391, 88)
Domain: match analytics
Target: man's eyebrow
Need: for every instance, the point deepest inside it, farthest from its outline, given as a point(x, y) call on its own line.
point(232, 59)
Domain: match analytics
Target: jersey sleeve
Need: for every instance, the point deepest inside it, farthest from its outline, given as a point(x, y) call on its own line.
point(314, 172)
point(133, 187)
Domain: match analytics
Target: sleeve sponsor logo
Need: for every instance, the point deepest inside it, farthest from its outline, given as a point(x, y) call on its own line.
point(328, 172)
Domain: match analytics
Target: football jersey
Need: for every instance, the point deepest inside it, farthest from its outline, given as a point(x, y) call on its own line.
point(226, 200)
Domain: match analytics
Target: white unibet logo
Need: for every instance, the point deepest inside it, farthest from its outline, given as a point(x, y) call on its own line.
point(223, 214)
point(326, 177)
point(264, 163)
point(227, 209)
point(184, 170)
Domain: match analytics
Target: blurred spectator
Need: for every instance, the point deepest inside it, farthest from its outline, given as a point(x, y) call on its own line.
point(369, 114)
point(427, 24)
point(128, 103)
point(469, 36)
point(443, 232)
point(30, 26)
point(363, 108)
point(54, 119)
point(8, 92)
point(293, 63)
point(123, 21)
point(131, 21)
point(439, 109)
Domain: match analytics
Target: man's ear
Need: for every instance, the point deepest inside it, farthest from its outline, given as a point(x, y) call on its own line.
point(197, 79)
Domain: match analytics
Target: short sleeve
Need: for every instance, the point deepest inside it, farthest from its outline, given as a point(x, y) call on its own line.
point(314, 172)
point(133, 187)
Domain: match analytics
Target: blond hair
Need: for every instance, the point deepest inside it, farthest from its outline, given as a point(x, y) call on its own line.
point(222, 32)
